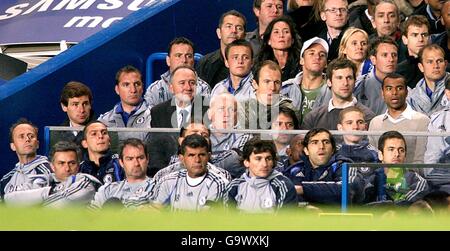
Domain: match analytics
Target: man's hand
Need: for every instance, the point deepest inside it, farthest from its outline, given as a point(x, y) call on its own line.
point(299, 189)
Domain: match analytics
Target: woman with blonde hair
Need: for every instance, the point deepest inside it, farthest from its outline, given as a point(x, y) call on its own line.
point(355, 46)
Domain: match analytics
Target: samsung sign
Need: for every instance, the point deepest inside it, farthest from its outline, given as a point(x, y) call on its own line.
point(42, 21)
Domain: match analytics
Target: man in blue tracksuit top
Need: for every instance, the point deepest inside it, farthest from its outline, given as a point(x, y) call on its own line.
point(317, 176)
point(98, 160)
point(357, 148)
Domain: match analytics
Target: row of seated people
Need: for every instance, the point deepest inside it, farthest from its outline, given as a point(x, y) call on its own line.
point(227, 111)
point(316, 98)
point(308, 89)
point(310, 174)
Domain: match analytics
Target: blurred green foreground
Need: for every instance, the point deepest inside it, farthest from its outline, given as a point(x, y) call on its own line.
point(219, 219)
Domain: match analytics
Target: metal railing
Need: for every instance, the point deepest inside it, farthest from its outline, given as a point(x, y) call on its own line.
point(345, 167)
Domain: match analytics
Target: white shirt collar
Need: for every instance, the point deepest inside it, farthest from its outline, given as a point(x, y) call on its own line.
point(351, 103)
point(406, 114)
point(368, 15)
point(73, 132)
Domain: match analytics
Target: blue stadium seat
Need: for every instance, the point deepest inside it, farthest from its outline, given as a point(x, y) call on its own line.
point(159, 56)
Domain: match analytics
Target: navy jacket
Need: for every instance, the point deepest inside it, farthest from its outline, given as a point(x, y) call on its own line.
point(108, 171)
point(323, 184)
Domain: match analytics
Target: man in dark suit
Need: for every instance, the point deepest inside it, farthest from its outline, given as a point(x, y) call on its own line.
point(183, 108)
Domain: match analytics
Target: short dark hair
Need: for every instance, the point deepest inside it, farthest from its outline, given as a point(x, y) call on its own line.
point(393, 75)
point(340, 63)
point(390, 135)
point(269, 63)
point(239, 42)
point(132, 142)
point(347, 110)
point(414, 20)
point(74, 89)
point(20, 121)
point(389, 2)
point(232, 13)
point(290, 113)
point(179, 40)
point(65, 146)
point(375, 43)
point(256, 145)
point(430, 47)
point(194, 141)
point(127, 69)
point(311, 133)
point(257, 3)
point(90, 123)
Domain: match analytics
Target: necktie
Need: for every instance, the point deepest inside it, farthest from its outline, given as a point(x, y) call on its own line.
point(183, 114)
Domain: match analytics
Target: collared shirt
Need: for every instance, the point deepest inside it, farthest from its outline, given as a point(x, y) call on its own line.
point(158, 92)
point(179, 115)
point(241, 83)
point(75, 133)
point(368, 15)
point(375, 75)
point(406, 114)
point(242, 92)
point(347, 104)
point(124, 114)
point(329, 38)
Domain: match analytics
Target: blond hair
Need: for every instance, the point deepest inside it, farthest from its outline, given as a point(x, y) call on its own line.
point(346, 37)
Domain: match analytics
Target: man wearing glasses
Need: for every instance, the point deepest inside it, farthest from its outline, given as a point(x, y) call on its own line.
point(335, 15)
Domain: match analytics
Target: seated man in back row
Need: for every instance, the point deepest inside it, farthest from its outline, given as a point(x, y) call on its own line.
point(341, 75)
point(260, 111)
point(180, 52)
point(438, 151)
point(76, 101)
point(132, 111)
point(183, 107)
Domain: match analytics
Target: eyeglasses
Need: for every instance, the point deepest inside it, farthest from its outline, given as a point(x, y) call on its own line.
point(335, 10)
